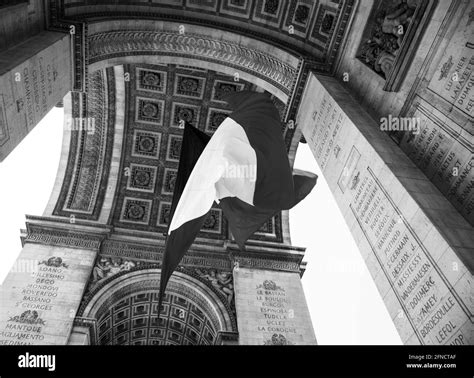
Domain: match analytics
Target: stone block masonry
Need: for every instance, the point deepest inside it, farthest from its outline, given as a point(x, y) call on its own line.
point(39, 303)
point(423, 271)
point(34, 76)
point(271, 308)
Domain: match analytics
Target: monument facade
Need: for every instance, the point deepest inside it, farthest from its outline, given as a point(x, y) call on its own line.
point(385, 108)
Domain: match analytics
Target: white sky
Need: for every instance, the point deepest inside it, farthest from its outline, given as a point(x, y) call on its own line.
point(344, 303)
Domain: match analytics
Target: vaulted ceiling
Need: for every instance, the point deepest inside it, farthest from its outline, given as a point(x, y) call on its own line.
point(157, 98)
point(308, 25)
point(177, 58)
point(133, 320)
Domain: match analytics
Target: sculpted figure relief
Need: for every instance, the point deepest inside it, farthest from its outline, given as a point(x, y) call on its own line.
point(388, 29)
point(108, 266)
point(222, 281)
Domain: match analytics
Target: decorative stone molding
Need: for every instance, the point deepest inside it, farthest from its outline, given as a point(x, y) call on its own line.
point(294, 102)
point(203, 260)
point(286, 263)
point(227, 338)
point(269, 256)
point(78, 31)
point(90, 324)
point(92, 123)
point(258, 255)
point(302, 26)
point(278, 339)
point(121, 43)
point(58, 237)
point(84, 188)
point(127, 250)
point(130, 250)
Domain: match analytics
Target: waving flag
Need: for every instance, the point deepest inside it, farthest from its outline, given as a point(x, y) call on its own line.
point(178, 242)
point(244, 167)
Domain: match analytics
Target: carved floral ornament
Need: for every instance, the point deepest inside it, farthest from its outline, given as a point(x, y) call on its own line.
point(110, 44)
point(27, 317)
point(270, 286)
point(151, 78)
point(54, 262)
point(63, 238)
point(278, 339)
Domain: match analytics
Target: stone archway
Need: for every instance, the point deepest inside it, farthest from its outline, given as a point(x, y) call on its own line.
point(89, 160)
point(124, 311)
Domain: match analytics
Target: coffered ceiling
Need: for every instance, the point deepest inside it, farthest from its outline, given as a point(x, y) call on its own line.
point(157, 98)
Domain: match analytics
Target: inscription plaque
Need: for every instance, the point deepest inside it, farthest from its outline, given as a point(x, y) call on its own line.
point(271, 308)
point(454, 78)
point(436, 313)
point(39, 303)
point(444, 154)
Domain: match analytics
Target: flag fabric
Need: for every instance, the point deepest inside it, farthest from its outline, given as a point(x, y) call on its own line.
point(245, 219)
point(192, 145)
point(244, 167)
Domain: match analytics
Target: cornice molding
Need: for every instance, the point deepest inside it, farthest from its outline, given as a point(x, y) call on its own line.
point(39, 234)
point(259, 255)
point(91, 326)
point(267, 260)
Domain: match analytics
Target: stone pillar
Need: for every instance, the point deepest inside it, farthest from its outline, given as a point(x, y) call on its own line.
point(227, 338)
point(34, 77)
point(271, 308)
point(423, 269)
point(42, 292)
point(80, 335)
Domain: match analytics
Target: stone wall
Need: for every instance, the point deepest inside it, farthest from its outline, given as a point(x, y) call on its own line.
point(436, 93)
point(41, 294)
point(271, 308)
point(423, 270)
point(19, 21)
point(34, 77)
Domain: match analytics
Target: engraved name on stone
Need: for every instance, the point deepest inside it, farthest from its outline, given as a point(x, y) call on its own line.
point(274, 311)
point(322, 138)
point(37, 86)
point(445, 161)
point(432, 308)
point(37, 299)
point(454, 78)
